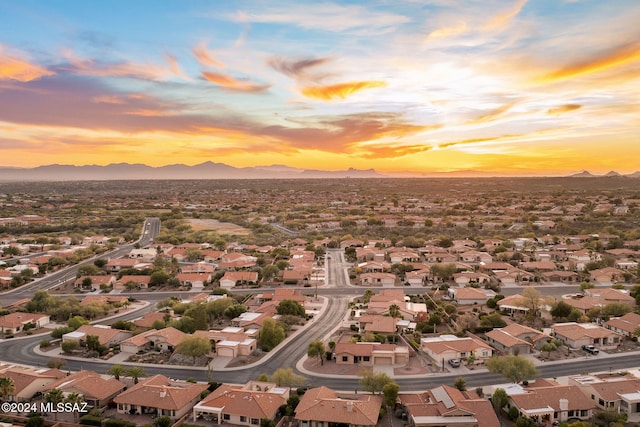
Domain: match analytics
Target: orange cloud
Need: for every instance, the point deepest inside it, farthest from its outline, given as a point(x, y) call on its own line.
point(491, 115)
point(503, 19)
point(339, 90)
point(20, 70)
point(564, 108)
point(452, 31)
point(204, 57)
point(175, 67)
point(228, 82)
point(619, 55)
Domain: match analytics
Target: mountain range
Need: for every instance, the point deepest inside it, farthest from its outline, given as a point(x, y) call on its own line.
point(212, 170)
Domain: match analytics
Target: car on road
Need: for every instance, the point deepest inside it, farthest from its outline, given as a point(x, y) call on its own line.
point(454, 363)
point(590, 349)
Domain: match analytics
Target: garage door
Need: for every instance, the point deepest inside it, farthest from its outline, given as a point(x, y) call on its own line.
point(383, 361)
point(225, 352)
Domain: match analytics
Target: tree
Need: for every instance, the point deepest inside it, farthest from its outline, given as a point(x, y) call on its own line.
point(499, 399)
point(460, 384)
point(159, 278)
point(390, 392)
point(116, 371)
point(367, 295)
point(163, 421)
point(54, 396)
point(194, 347)
point(525, 422)
point(7, 388)
point(514, 368)
point(548, 347)
point(199, 315)
point(373, 382)
point(269, 272)
point(443, 271)
point(135, 372)
point(35, 421)
point(394, 310)
point(56, 363)
point(290, 307)
point(69, 346)
point(74, 399)
point(271, 334)
point(76, 321)
point(493, 320)
point(531, 300)
point(267, 422)
point(561, 310)
point(586, 285)
point(615, 309)
point(285, 377)
point(263, 378)
point(316, 349)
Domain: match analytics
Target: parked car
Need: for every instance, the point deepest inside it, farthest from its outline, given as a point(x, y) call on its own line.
point(454, 363)
point(590, 349)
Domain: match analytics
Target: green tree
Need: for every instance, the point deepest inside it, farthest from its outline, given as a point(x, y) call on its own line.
point(194, 347)
point(290, 307)
point(116, 371)
point(499, 399)
point(267, 422)
point(548, 347)
point(316, 349)
point(199, 315)
point(525, 422)
point(159, 278)
point(7, 388)
point(56, 363)
point(367, 296)
point(269, 272)
point(263, 378)
point(35, 421)
point(394, 310)
point(460, 384)
point(163, 421)
point(586, 285)
point(271, 334)
point(561, 310)
point(615, 309)
point(285, 377)
point(373, 382)
point(514, 368)
point(135, 372)
point(493, 320)
point(390, 392)
point(69, 346)
point(76, 321)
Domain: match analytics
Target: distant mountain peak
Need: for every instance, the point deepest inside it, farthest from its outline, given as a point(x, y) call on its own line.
point(583, 174)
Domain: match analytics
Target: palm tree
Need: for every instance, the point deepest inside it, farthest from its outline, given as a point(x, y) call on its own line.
point(394, 310)
point(136, 372)
point(116, 371)
point(75, 399)
point(7, 387)
point(55, 396)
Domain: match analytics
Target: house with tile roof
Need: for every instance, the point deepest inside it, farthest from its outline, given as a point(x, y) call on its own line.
point(378, 324)
point(106, 335)
point(233, 278)
point(28, 382)
point(95, 390)
point(550, 402)
point(377, 279)
point(448, 406)
point(321, 405)
point(576, 335)
point(610, 393)
point(135, 281)
point(159, 396)
point(370, 354)
point(243, 405)
point(445, 347)
point(15, 322)
point(625, 325)
point(611, 295)
point(471, 296)
point(165, 339)
point(231, 341)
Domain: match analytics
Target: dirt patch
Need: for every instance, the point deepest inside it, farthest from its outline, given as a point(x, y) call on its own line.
point(220, 227)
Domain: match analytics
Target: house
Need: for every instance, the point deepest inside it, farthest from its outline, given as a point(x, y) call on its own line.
point(563, 276)
point(516, 339)
point(88, 282)
point(281, 294)
point(625, 325)
point(465, 278)
point(378, 324)
point(147, 321)
point(234, 278)
point(321, 406)
point(194, 280)
point(243, 405)
point(144, 254)
point(551, 403)
point(448, 406)
point(231, 341)
point(116, 264)
point(373, 267)
point(377, 279)
point(576, 335)
point(445, 347)
point(133, 281)
point(611, 295)
point(159, 396)
point(28, 382)
point(607, 275)
point(610, 393)
point(94, 389)
point(164, 340)
point(471, 296)
point(13, 323)
point(418, 277)
point(370, 354)
point(106, 335)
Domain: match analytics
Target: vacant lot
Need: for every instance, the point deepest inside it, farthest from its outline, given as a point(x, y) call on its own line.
point(220, 227)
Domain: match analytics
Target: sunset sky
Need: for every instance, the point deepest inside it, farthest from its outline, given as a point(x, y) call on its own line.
point(538, 87)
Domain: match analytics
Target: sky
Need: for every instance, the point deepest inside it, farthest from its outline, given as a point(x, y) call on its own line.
point(407, 87)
